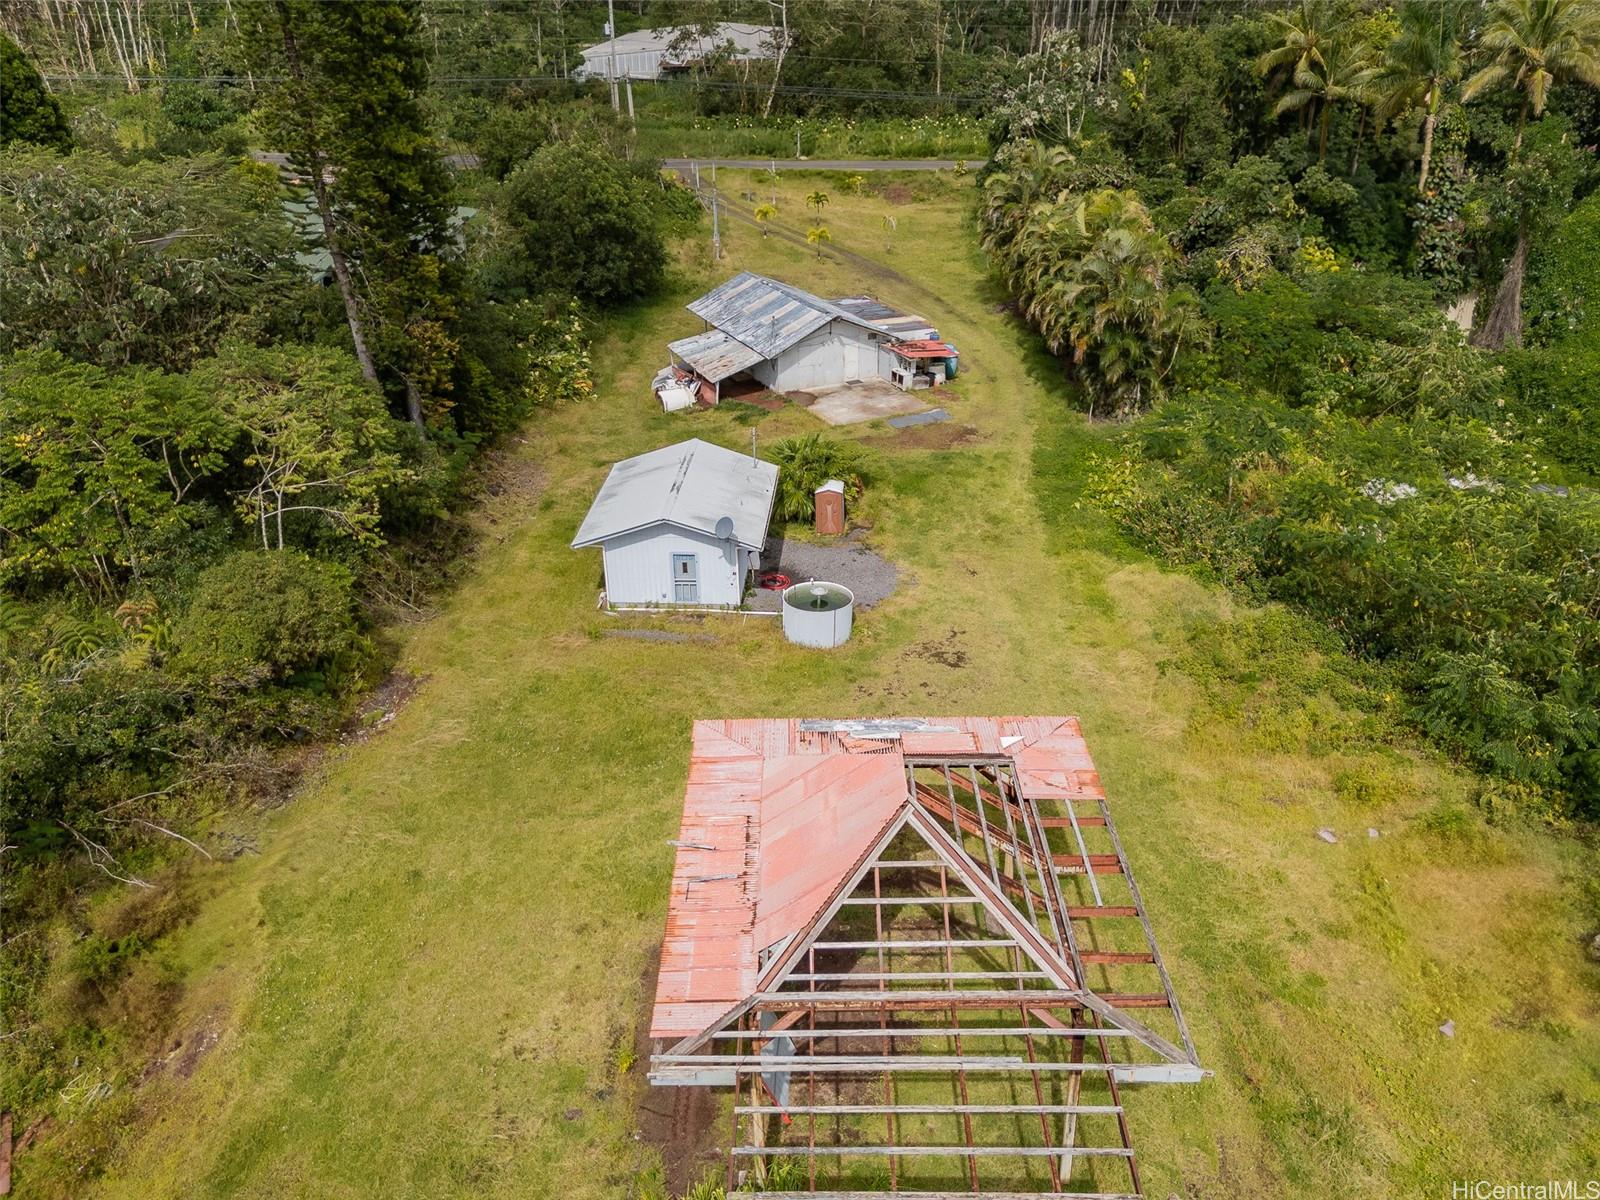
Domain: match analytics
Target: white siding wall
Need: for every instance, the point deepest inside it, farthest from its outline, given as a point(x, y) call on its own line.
point(638, 64)
point(639, 567)
point(836, 353)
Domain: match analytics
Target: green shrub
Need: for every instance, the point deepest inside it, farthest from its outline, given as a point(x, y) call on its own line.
point(1420, 540)
point(585, 223)
point(1555, 396)
point(806, 463)
point(269, 616)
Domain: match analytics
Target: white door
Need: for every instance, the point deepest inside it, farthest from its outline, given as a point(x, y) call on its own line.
point(685, 579)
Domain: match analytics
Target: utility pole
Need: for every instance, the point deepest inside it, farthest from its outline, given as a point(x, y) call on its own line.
point(628, 83)
point(611, 32)
point(716, 229)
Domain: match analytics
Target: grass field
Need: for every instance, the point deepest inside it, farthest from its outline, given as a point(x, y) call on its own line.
point(428, 981)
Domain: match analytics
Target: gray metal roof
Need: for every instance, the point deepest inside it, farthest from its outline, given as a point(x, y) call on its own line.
point(767, 315)
point(692, 485)
point(902, 324)
point(715, 355)
point(749, 41)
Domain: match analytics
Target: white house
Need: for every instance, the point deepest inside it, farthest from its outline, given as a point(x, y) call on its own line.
point(683, 525)
point(788, 340)
point(650, 53)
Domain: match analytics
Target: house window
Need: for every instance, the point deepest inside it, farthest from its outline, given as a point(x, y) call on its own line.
point(685, 579)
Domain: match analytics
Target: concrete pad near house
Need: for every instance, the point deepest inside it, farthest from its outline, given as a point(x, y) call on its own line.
point(861, 400)
point(932, 417)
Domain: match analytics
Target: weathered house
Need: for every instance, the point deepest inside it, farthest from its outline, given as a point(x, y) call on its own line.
point(648, 54)
point(681, 526)
point(788, 340)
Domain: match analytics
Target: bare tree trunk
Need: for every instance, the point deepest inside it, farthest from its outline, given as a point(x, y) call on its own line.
point(781, 7)
point(319, 189)
point(1427, 151)
point(1503, 325)
point(414, 406)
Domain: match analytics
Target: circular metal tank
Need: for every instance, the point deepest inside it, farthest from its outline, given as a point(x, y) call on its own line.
point(818, 614)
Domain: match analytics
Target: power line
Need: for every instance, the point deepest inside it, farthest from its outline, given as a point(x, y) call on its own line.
point(715, 84)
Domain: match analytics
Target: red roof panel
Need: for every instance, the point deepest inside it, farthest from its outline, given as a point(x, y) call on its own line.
point(774, 816)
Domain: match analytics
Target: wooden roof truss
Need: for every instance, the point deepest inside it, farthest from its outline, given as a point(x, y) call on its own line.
point(962, 1013)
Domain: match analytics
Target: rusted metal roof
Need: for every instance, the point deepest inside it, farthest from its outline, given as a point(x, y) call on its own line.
point(777, 812)
point(715, 355)
point(924, 348)
point(768, 315)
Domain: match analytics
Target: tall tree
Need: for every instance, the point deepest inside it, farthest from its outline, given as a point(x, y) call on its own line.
point(1536, 44)
point(1305, 34)
point(349, 114)
point(1417, 67)
point(1535, 192)
point(28, 112)
point(1343, 74)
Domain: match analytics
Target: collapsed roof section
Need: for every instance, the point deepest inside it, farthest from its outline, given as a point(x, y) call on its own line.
point(866, 908)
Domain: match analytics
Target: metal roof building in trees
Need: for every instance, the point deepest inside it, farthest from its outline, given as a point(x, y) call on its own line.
point(915, 950)
point(784, 338)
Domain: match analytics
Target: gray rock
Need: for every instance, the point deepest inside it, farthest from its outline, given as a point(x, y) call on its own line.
point(1448, 1029)
point(1327, 835)
point(1372, 833)
point(1594, 948)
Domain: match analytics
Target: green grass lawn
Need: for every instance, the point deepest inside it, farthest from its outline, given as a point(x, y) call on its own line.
point(427, 982)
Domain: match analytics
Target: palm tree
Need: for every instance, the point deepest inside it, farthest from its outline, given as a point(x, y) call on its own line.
point(1536, 44)
point(818, 201)
point(1416, 69)
point(764, 213)
point(817, 235)
point(1344, 73)
point(1305, 36)
point(1091, 280)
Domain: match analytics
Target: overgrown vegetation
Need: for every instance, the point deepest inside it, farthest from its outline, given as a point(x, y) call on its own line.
point(1323, 434)
point(807, 462)
point(238, 405)
point(241, 408)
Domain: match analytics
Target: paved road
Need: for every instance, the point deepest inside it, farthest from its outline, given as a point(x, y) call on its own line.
point(282, 160)
point(818, 164)
point(684, 165)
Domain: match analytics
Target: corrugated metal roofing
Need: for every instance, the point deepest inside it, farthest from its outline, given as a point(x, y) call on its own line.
point(923, 348)
point(692, 485)
point(748, 40)
point(891, 320)
point(768, 315)
point(715, 355)
point(776, 814)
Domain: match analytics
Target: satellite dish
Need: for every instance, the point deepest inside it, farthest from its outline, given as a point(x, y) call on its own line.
point(725, 528)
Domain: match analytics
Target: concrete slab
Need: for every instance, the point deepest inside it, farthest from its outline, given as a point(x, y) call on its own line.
point(865, 400)
point(932, 417)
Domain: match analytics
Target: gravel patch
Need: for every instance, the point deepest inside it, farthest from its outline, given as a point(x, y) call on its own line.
point(870, 576)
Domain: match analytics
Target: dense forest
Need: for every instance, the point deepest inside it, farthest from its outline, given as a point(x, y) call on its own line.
point(1254, 233)
point(1327, 274)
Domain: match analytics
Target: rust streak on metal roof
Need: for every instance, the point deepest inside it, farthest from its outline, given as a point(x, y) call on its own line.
point(775, 815)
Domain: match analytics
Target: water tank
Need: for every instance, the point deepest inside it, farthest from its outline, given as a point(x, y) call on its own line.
point(818, 614)
point(952, 364)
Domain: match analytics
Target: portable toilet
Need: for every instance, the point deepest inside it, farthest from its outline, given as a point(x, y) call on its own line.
point(830, 507)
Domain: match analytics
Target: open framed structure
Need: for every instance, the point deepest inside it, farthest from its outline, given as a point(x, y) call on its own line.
point(916, 951)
